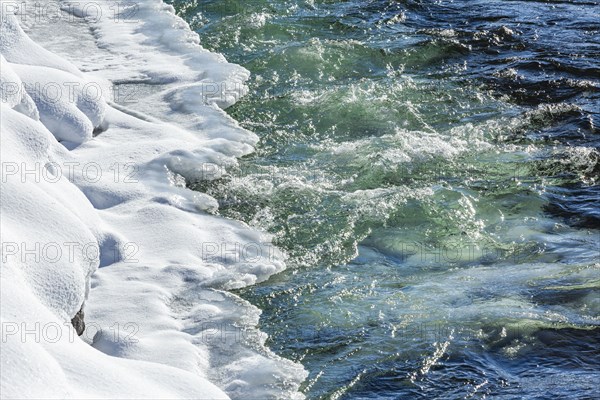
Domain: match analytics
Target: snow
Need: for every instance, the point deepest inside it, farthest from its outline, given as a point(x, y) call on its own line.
point(12, 94)
point(71, 117)
point(96, 212)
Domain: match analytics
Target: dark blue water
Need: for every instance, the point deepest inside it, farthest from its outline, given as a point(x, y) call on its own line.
point(431, 169)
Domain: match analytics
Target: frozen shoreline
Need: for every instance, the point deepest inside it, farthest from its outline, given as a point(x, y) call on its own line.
point(95, 209)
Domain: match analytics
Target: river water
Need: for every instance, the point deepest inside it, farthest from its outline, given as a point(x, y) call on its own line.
point(431, 170)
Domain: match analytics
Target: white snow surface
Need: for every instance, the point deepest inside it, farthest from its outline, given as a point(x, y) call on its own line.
point(95, 212)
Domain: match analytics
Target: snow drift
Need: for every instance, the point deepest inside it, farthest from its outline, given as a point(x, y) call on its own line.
point(96, 214)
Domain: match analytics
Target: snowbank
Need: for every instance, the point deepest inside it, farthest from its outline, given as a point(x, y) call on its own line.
point(96, 213)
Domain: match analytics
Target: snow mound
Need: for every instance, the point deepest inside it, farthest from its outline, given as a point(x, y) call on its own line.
point(71, 111)
point(97, 216)
point(12, 93)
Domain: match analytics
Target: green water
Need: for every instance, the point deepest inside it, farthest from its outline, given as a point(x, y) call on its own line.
point(413, 198)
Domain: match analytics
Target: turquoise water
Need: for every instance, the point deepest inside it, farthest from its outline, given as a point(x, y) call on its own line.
point(430, 168)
